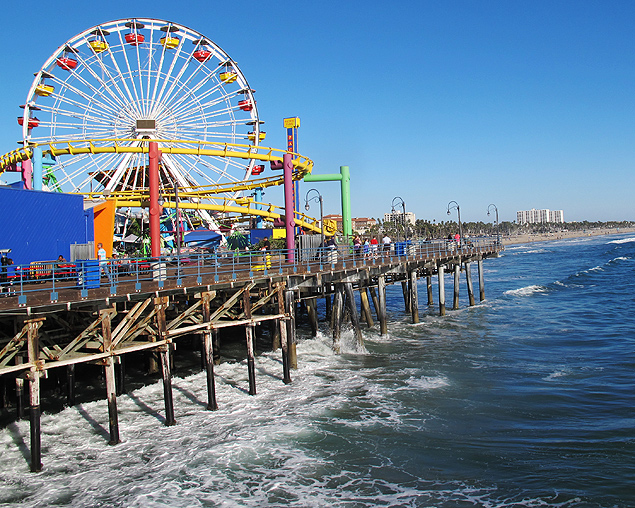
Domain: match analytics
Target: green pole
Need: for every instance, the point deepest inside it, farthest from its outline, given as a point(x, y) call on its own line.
point(344, 178)
point(347, 220)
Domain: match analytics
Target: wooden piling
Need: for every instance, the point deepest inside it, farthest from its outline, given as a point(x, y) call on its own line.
point(208, 348)
point(284, 338)
point(209, 370)
point(70, 385)
point(414, 297)
point(165, 353)
point(481, 280)
point(406, 295)
point(33, 345)
point(381, 290)
point(429, 288)
point(373, 296)
point(337, 317)
point(470, 287)
point(365, 304)
point(457, 280)
point(109, 374)
point(166, 371)
point(120, 372)
point(352, 309)
point(251, 363)
point(311, 308)
point(19, 392)
point(441, 271)
point(289, 303)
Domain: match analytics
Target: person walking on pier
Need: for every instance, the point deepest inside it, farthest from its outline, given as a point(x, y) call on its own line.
point(102, 256)
point(374, 247)
point(386, 243)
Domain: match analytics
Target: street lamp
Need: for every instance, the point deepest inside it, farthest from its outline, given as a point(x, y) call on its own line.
point(306, 207)
point(498, 237)
point(403, 206)
point(458, 211)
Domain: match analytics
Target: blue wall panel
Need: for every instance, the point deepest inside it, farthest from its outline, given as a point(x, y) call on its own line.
point(39, 226)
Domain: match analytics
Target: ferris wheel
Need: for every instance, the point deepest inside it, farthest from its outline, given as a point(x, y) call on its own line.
point(134, 79)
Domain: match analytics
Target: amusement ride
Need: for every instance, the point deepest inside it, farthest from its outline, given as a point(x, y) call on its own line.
point(124, 94)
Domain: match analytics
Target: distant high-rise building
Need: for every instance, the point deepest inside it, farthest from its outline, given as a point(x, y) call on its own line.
point(534, 216)
point(399, 217)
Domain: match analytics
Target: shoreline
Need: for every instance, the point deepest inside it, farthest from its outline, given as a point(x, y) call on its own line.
point(563, 235)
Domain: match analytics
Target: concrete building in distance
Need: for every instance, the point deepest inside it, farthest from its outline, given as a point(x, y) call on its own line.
point(398, 217)
point(360, 224)
point(534, 216)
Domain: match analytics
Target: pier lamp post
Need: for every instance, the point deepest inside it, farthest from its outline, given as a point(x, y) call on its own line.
point(458, 211)
point(498, 236)
point(306, 207)
point(403, 206)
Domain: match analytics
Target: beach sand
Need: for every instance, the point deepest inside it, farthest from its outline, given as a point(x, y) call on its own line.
point(545, 237)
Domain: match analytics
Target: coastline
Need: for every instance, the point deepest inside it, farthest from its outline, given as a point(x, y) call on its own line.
point(562, 235)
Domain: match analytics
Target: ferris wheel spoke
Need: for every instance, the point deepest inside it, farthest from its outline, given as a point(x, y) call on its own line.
point(111, 79)
point(191, 92)
point(80, 175)
point(176, 92)
point(133, 97)
point(81, 110)
point(168, 79)
point(120, 169)
point(104, 90)
point(88, 98)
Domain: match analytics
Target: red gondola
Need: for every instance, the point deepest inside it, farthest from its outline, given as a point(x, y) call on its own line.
point(33, 122)
point(246, 105)
point(135, 39)
point(257, 170)
point(202, 55)
point(66, 63)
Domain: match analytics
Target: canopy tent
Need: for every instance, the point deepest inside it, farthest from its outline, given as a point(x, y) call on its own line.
point(202, 238)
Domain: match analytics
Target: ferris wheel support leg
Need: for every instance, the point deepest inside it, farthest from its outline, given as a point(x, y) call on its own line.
point(155, 212)
point(37, 168)
point(289, 206)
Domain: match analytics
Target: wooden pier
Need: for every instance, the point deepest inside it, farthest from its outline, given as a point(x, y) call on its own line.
point(59, 324)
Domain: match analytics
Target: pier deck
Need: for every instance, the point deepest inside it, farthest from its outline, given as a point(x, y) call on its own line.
point(61, 322)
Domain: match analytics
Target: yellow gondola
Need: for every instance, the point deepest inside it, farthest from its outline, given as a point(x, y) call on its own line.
point(44, 90)
point(170, 42)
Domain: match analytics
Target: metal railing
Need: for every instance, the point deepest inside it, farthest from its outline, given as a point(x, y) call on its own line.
point(125, 275)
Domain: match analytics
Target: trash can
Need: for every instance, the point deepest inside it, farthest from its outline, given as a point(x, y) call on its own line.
point(159, 271)
point(88, 275)
point(400, 248)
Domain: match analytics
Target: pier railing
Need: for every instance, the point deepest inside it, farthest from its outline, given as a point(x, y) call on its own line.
point(48, 279)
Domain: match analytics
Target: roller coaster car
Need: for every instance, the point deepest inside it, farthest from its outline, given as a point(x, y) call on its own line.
point(170, 42)
point(135, 39)
point(202, 55)
point(66, 63)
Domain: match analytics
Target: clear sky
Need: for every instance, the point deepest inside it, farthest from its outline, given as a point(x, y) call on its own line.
point(524, 104)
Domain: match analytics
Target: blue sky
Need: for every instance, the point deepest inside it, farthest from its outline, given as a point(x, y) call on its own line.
point(520, 104)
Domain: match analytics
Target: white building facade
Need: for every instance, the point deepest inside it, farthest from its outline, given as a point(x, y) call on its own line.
point(398, 217)
point(534, 216)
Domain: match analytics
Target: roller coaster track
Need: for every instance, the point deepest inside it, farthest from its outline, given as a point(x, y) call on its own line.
point(190, 197)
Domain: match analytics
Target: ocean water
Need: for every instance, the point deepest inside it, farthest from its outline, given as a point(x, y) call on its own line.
point(526, 399)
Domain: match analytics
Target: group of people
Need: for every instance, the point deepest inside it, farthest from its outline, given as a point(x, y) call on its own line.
point(369, 247)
